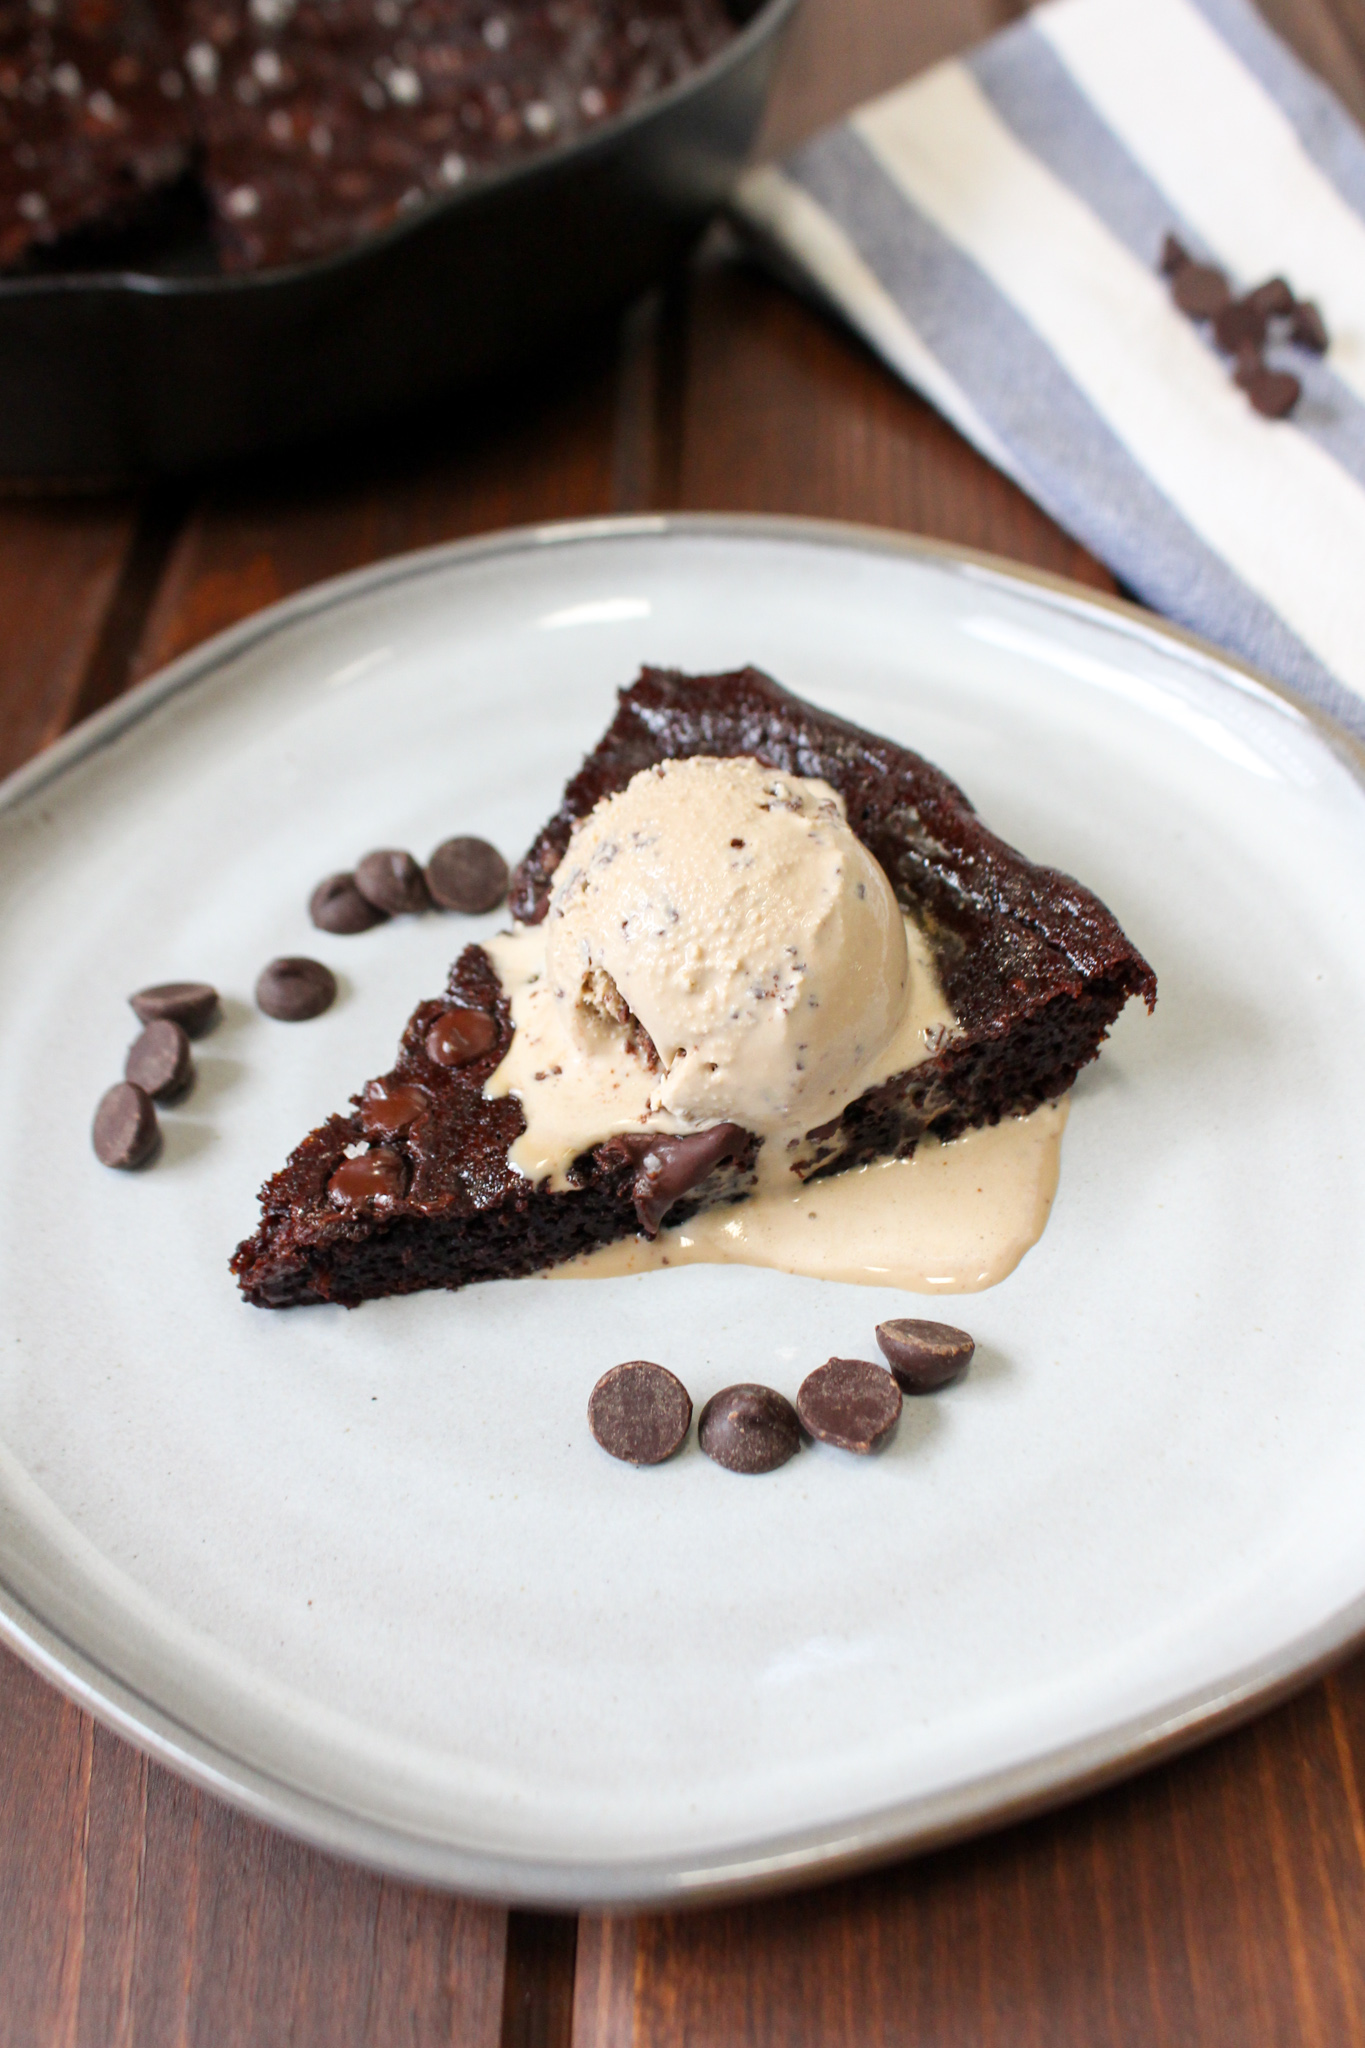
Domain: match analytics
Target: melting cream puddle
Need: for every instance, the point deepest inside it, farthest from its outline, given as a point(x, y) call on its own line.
point(952, 1219)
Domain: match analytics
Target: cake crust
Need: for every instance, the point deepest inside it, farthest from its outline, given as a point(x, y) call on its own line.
point(1034, 966)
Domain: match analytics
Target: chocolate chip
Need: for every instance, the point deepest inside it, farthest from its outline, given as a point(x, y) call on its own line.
point(159, 1060)
point(749, 1429)
point(1272, 298)
point(1307, 329)
point(294, 989)
point(1200, 290)
point(390, 1106)
point(1174, 256)
point(1272, 392)
point(460, 1036)
point(640, 1412)
point(849, 1402)
point(193, 1005)
point(336, 905)
point(392, 881)
point(671, 1167)
point(468, 875)
point(379, 1174)
point(924, 1356)
point(125, 1132)
point(1240, 321)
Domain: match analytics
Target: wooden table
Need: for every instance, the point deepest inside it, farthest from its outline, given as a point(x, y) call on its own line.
point(1219, 1900)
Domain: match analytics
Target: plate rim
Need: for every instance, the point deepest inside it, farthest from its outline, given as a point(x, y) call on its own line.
point(829, 1849)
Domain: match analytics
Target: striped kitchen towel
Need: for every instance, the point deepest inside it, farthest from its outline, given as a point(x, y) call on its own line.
point(994, 229)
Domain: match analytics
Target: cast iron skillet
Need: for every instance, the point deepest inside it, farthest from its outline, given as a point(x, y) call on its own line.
point(108, 375)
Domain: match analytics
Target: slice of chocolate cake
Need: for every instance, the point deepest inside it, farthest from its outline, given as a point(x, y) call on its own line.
point(415, 1188)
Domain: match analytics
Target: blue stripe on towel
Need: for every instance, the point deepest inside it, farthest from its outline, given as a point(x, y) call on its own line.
point(1329, 136)
point(1068, 458)
point(1035, 95)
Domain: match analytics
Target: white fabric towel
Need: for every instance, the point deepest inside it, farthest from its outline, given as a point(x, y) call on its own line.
point(994, 228)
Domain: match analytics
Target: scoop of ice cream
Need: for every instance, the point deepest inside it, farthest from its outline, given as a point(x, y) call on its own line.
point(722, 919)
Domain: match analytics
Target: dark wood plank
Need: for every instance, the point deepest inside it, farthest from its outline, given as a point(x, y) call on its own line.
point(604, 1983)
point(43, 1802)
point(137, 1913)
point(540, 447)
point(538, 1982)
point(60, 570)
point(1220, 1900)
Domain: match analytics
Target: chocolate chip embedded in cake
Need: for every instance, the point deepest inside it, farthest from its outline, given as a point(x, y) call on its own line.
point(460, 1035)
point(374, 1178)
point(388, 1109)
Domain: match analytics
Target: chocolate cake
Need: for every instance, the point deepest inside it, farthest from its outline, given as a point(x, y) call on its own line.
point(304, 124)
point(412, 1188)
point(91, 142)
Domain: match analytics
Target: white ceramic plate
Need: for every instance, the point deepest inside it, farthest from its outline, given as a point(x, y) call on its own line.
point(367, 1574)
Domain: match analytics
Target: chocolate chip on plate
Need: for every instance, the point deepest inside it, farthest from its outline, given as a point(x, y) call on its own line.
point(1307, 329)
point(193, 1005)
point(1272, 298)
point(1240, 321)
point(468, 875)
point(460, 1036)
point(640, 1412)
point(393, 882)
point(125, 1132)
point(1174, 256)
point(924, 1356)
point(1200, 290)
point(377, 1173)
point(849, 1402)
point(749, 1428)
point(336, 905)
point(1272, 392)
point(159, 1060)
point(294, 989)
point(389, 1107)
